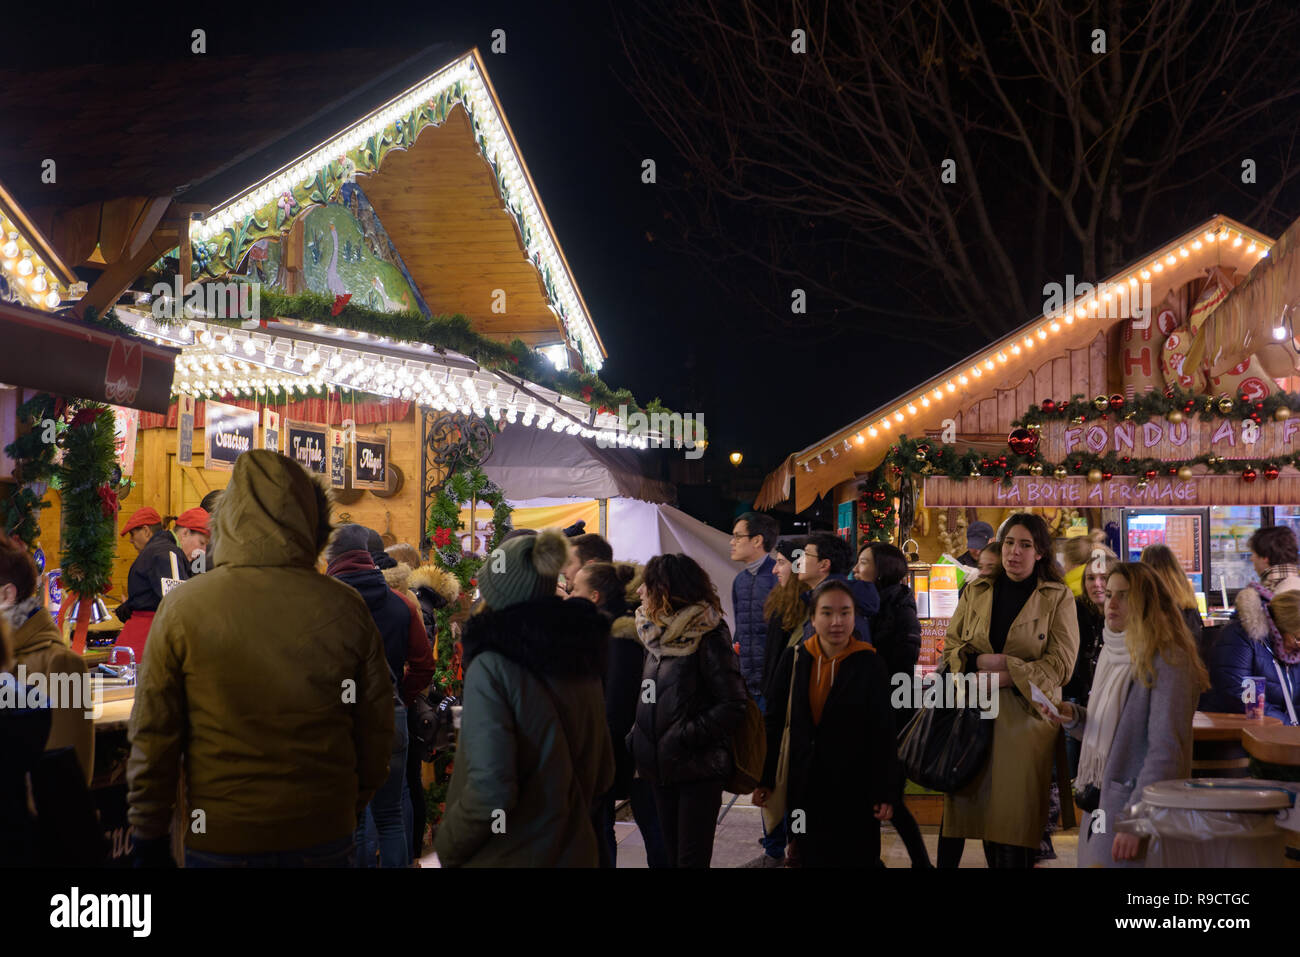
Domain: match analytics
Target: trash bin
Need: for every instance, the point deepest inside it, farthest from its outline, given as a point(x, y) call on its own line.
point(1215, 822)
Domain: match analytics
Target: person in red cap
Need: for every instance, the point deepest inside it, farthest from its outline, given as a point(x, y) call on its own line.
point(159, 558)
point(192, 536)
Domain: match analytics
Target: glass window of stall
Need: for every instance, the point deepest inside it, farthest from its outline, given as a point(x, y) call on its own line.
point(1288, 515)
point(1230, 528)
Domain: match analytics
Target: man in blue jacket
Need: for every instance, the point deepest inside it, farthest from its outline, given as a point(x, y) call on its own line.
point(753, 536)
point(829, 556)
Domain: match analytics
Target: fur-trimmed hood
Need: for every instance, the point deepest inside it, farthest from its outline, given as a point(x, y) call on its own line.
point(398, 577)
point(1250, 608)
point(562, 638)
point(624, 627)
point(438, 580)
point(630, 595)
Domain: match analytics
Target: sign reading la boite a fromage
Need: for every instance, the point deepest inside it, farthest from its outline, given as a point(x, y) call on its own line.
point(229, 432)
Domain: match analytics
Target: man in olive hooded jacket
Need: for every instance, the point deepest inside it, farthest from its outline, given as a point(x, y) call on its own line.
point(269, 679)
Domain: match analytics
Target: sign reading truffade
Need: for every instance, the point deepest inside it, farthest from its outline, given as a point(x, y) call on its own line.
point(305, 443)
point(229, 432)
point(370, 462)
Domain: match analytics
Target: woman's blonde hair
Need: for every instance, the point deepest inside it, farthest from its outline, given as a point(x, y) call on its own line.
point(404, 553)
point(1284, 609)
point(1156, 627)
point(785, 604)
point(1164, 562)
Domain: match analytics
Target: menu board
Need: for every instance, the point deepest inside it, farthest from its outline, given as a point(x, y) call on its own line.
point(932, 635)
point(229, 432)
point(1183, 537)
point(304, 442)
point(338, 458)
point(185, 430)
point(370, 462)
point(943, 591)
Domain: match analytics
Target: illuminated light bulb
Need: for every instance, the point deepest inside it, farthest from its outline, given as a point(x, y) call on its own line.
point(925, 401)
point(1263, 253)
point(872, 432)
point(25, 267)
point(859, 439)
point(1170, 259)
point(988, 364)
point(1069, 320)
point(1015, 351)
point(1279, 332)
point(1251, 247)
point(52, 300)
point(898, 416)
point(1055, 327)
point(961, 379)
point(938, 394)
point(978, 372)
point(1209, 236)
point(953, 388)
point(1146, 273)
point(1237, 241)
point(39, 283)
point(911, 409)
point(1196, 244)
point(1092, 305)
point(886, 423)
point(10, 248)
point(1132, 281)
point(1107, 296)
point(1158, 267)
point(250, 347)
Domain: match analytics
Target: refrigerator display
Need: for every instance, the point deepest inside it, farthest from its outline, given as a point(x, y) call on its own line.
point(1230, 528)
point(1182, 532)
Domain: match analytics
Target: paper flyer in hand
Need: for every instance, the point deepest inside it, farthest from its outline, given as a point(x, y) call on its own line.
point(1039, 698)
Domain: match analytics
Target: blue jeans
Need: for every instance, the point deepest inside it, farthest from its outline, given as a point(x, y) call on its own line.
point(384, 823)
point(646, 815)
point(773, 841)
point(336, 853)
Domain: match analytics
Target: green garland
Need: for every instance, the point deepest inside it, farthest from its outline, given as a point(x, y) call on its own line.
point(921, 457)
point(466, 483)
point(89, 503)
point(34, 464)
point(453, 333)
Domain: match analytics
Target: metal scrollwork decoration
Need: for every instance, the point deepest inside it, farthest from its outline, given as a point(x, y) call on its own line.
point(450, 439)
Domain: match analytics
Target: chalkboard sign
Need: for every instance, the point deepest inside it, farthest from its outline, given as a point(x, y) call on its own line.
point(185, 430)
point(338, 458)
point(305, 443)
point(370, 462)
point(229, 432)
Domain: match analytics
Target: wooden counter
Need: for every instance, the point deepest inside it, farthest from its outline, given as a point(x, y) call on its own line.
point(116, 712)
point(1220, 726)
point(1273, 744)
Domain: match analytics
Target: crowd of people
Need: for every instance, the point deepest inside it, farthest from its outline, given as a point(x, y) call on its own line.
point(281, 701)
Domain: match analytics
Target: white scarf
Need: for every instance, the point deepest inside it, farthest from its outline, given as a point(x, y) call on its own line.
point(1110, 688)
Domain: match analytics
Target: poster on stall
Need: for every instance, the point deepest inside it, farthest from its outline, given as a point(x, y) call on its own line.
point(943, 591)
point(126, 422)
point(338, 457)
point(229, 432)
point(305, 443)
point(185, 430)
point(370, 462)
point(844, 521)
point(54, 592)
point(270, 430)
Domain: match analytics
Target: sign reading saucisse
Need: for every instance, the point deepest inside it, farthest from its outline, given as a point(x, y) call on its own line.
point(228, 432)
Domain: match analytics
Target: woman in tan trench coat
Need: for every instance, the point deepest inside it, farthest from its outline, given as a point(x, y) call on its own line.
point(1020, 628)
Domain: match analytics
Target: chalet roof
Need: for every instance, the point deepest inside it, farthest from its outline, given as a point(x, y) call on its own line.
point(858, 447)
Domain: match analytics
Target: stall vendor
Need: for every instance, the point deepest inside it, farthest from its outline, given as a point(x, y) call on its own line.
point(192, 536)
point(159, 559)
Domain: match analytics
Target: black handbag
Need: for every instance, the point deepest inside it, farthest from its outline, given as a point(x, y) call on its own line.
point(422, 725)
point(944, 748)
point(1089, 799)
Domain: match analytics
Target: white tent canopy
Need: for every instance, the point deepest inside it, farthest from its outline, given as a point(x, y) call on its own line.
point(530, 463)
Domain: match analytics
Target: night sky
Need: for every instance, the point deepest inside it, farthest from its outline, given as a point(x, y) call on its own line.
point(671, 321)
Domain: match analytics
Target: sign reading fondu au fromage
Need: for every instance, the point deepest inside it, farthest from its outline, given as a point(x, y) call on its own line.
point(1173, 441)
point(306, 444)
point(229, 432)
point(370, 462)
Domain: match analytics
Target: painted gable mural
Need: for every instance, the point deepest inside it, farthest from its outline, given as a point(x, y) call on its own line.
point(345, 251)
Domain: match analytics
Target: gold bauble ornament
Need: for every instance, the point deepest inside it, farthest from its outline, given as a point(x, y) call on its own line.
point(1282, 413)
point(1034, 427)
point(1036, 469)
point(1077, 420)
point(975, 473)
point(1225, 404)
point(920, 455)
point(1094, 476)
point(1101, 403)
point(1175, 417)
point(1142, 483)
point(1185, 472)
point(1060, 472)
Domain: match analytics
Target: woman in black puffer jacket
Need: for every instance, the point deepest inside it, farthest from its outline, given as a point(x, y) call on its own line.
point(695, 702)
point(896, 635)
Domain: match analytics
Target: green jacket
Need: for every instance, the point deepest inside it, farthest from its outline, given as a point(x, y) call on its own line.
point(533, 753)
point(267, 677)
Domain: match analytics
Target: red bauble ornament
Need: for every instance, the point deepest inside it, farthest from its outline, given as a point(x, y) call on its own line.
point(1149, 474)
point(1271, 472)
point(1048, 405)
point(1022, 442)
point(1106, 476)
point(1116, 402)
point(879, 495)
point(1249, 475)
